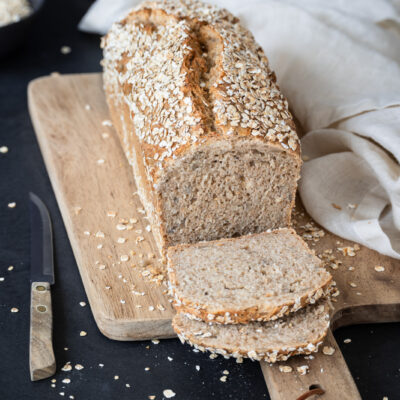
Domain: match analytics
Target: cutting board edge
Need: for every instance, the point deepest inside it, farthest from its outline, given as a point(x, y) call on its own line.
point(134, 330)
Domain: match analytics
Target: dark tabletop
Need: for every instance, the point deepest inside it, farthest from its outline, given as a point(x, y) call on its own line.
point(372, 356)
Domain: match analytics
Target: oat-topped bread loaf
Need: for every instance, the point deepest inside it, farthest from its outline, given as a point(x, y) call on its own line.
point(253, 278)
point(298, 333)
point(202, 122)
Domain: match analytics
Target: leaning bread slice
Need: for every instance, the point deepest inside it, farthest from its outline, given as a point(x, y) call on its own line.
point(253, 278)
point(298, 333)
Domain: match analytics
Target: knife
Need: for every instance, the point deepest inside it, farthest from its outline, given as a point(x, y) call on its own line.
point(42, 363)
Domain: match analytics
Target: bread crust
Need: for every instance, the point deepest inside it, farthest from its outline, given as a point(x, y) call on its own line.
point(212, 114)
point(264, 313)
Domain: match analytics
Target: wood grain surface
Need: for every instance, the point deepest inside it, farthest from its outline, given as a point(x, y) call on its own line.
point(42, 362)
point(91, 177)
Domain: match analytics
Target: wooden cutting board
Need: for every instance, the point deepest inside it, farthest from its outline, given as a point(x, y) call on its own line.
point(117, 256)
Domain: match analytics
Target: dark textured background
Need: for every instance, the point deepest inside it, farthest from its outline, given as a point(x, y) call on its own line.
point(373, 354)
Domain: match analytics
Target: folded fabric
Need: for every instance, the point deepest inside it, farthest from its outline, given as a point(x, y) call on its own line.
point(339, 66)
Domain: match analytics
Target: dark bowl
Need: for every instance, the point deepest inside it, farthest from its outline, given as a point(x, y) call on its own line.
point(12, 35)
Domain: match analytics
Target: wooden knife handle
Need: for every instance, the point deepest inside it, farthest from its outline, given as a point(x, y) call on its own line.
point(329, 373)
point(42, 363)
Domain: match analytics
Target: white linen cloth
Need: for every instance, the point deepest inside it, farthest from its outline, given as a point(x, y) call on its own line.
point(338, 63)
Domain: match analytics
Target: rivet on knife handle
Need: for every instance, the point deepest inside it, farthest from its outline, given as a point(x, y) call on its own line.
point(42, 363)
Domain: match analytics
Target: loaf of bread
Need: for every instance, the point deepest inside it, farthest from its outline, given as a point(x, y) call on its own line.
point(298, 333)
point(253, 278)
point(202, 121)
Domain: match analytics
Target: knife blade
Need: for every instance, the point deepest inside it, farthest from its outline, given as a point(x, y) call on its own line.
point(42, 261)
point(42, 362)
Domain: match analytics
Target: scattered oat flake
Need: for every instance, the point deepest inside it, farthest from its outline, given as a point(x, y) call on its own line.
point(12, 204)
point(111, 214)
point(53, 385)
point(347, 251)
point(100, 234)
point(285, 368)
point(102, 266)
point(148, 228)
point(160, 307)
point(121, 240)
point(170, 358)
point(62, 394)
point(352, 284)
point(65, 50)
point(152, 397)
point(79, 367)
point(87, 107)
point(155, 341)
point(151, 308)
point(101, 161)
point(67, 367)
point(385, 398)
point(147, 369)
point(10, 268)
point(77, 210)
point(53, 380)
point(328, 350)
point(352, 205)
point(225, 372)
point(99, 246)
point(101, 365)
point(212, 355)
point(106, 122)
point(347, 341)
point(121, 227)
point(168, 393)
point(82, 304)
point(14, 310)
point(127, 385)
point(87, 233)
point(124, 257)
point(122, 301)
point(66, 380)
point(82, 333)
point(116, 377)
point(379, 268)
point(3, 149)
point(105, 135)
point(1, 279)
point(71, 396)
point(303, 369)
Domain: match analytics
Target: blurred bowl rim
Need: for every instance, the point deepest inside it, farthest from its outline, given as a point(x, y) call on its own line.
point(36, 7)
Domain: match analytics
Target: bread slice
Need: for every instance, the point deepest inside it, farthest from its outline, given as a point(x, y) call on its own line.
point(253, 278)
point(298, 333)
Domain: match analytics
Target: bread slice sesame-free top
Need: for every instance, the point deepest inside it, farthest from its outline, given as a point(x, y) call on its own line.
point(252, 278)
point(298, 333)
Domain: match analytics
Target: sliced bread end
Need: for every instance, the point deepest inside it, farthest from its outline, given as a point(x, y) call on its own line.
point(299, 333)
point(280, 275)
